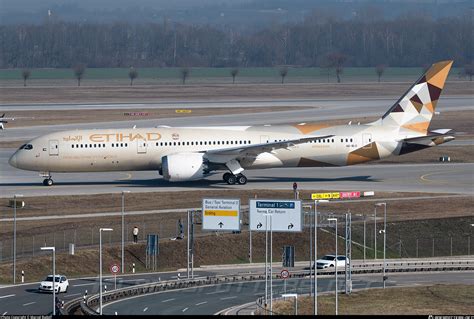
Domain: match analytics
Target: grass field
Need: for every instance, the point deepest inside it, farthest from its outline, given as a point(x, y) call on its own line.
point(200, 74)
point(436, 299)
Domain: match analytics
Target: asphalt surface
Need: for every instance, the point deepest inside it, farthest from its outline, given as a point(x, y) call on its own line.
point(433, 178)
point(25, 299)
point(320, 110)
point(211, 299)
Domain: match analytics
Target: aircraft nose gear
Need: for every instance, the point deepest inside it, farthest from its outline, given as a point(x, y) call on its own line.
point(232, 179)
point(48, 182)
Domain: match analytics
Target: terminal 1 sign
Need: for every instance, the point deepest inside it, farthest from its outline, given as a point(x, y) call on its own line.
point(220, 214)
point(285, 215)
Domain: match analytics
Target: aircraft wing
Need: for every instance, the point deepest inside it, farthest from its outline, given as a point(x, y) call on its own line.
point(225, 155)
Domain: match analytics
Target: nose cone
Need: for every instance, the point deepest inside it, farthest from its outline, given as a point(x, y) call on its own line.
point(12, 160)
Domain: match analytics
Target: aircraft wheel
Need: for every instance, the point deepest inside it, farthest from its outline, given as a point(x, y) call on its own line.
point(48, 182)
point(241, 179)
point(231, 179)
point(225, 177)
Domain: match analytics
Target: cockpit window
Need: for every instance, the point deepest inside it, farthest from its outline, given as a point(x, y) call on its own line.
point(26, 147)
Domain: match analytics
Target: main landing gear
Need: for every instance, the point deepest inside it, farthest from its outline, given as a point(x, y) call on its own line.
point(232, 179)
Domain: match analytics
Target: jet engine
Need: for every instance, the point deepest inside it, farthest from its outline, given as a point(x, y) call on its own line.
point(183, 167)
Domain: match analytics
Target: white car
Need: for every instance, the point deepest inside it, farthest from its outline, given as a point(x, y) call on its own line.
point(328, 261)
point(61, 284)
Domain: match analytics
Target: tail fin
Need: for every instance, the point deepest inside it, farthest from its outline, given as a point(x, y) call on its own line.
point(414, 110)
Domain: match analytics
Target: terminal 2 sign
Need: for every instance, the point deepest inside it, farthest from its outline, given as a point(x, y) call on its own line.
point(220, 214)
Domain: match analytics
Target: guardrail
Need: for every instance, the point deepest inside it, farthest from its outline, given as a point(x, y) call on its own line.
point(91, 303)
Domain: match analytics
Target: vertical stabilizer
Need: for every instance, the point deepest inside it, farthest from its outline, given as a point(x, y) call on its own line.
point(414, 110)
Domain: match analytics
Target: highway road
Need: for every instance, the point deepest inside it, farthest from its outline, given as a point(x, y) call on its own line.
point(319, 110)
point(209, 300)
point(24, 299)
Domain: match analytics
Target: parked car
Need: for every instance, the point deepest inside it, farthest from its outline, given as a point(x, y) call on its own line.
point(61, 284)
point(328, 261)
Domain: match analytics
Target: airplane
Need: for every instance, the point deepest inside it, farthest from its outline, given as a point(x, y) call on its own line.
point(3, 121)
point(193, 153)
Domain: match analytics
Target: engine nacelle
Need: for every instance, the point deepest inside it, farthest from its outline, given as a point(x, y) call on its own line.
point(183, 167)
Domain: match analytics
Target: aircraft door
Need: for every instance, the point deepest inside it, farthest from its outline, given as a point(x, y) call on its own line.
point(53, 148)
point(263, 139)
point(367, 140)
point(141, 147)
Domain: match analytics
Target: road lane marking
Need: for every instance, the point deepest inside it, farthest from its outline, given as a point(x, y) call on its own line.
point(81, 285)
point(185, 309)
point(146, 308)
point(29, 303)
point(168, 300)
point(201, 303)
point(1, 297)
point(233, 297)
point(215, 292)
point(134, 280)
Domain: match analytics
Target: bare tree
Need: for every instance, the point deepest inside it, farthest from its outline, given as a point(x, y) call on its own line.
point(234, 73)
point(380, 69)
point(79, 70)
point(184, 74)
point(283, 73)
point(132, 74)
point(25, 74)
point(337, 60)
point(469, 70)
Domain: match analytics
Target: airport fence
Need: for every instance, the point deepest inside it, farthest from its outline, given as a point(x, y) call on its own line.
point(414, 244)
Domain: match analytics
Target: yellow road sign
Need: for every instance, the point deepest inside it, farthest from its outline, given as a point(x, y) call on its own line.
point(220, 213)
point(325, 195)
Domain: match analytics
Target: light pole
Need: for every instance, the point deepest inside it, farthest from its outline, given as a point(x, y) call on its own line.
point(266, 262)
point(384, 236)
point(375, 231)
point(123, 226)
point(14, 236)
point(310, 247)
point(53, 249)
point(335, 263)
point(100, 265)
point(316, 253)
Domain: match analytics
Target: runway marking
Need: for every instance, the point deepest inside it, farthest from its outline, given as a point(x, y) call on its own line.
point(129, 176)
point(146, 308)
point(185, 309)
point(226, 298)
point(423, 177)
point(1, 297)
point(4, 313)
point(29, 303)
point(201, 303)
point(169, 300)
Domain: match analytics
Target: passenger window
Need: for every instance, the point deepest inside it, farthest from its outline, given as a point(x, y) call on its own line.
point(103, 145)
point(72, 146)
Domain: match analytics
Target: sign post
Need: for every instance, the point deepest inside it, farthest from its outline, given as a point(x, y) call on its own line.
point(284, 274)
point(220, 214)
point(114, 269)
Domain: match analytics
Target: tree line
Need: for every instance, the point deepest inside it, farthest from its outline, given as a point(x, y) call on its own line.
point(315, 42)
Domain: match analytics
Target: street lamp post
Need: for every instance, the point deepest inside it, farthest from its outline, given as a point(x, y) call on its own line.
point(384, 236)
point(375, 231)
point(316, 253)
point(53, 249)
point(123, 226)
point(100, 265)
point(14, 236)
point(335, 263)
